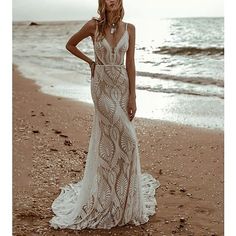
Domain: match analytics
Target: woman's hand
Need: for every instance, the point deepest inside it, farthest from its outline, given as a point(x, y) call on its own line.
point(92, 67)
point(131, 107)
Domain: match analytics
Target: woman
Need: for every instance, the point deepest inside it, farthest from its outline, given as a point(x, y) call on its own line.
point(113, 192)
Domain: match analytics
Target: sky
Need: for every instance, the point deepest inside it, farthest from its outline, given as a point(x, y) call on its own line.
point(59, 10)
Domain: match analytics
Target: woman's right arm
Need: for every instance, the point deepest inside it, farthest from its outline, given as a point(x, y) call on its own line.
point(86, 31)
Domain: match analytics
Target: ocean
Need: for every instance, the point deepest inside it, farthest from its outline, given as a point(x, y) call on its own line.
point(179, 66)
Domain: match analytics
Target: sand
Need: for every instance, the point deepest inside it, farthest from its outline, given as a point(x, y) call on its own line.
point(50, 142)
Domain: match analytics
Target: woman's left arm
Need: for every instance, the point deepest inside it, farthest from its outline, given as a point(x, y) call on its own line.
point(130, 67)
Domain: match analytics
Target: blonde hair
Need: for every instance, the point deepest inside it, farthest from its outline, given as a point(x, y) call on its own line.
point(102, 19)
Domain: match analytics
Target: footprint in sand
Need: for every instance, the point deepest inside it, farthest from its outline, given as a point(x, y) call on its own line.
point(56, 131)
point(204, 210)
point(35, 131)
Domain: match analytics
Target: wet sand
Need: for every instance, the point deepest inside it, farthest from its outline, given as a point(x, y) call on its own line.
point(50, 142)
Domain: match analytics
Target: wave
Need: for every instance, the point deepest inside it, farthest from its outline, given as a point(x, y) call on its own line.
point(192, 80)
point(189, 50)
point(182, 91)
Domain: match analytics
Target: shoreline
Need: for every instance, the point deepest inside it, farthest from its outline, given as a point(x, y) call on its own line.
point(170, 109)
point(187, 161)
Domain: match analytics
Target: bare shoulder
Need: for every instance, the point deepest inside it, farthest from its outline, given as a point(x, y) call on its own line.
point(91, 24)
point(131, 31)
point(131, 27)
point(89, 27)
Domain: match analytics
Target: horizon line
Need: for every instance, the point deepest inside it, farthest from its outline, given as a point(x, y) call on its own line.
point(57, 20)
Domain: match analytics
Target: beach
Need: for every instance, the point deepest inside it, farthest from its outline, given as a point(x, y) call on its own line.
point(50, 142)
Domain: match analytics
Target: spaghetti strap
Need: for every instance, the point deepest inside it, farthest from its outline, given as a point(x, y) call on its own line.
point(126, 26)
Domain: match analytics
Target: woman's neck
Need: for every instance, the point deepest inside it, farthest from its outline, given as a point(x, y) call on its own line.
point(109, 18)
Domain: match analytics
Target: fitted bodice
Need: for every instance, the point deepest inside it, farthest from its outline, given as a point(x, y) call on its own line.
point(106, 55)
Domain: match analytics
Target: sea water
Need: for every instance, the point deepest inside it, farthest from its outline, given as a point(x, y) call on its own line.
point(179, 66)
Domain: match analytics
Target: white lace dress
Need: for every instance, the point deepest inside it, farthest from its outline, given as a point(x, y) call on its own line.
point(113, 191)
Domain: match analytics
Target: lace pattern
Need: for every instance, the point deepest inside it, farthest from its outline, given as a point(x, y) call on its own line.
point(113, 191)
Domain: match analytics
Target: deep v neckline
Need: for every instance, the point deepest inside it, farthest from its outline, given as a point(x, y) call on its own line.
point(113, 49)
